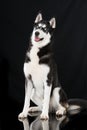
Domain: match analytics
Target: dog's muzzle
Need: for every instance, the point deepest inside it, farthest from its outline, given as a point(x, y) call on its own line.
point(37, 39)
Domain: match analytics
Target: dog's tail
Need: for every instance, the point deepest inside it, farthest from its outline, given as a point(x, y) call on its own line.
point(76, 106)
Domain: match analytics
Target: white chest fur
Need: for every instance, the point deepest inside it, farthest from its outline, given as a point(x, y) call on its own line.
point(33, 67)
point(39, 72)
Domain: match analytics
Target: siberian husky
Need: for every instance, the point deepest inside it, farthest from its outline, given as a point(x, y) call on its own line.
point(41, 78)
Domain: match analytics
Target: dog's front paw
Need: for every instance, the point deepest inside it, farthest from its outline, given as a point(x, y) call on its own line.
point(22, 115)
point(44, 116)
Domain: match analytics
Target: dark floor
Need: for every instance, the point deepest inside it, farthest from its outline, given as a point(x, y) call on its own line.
point(9, 120)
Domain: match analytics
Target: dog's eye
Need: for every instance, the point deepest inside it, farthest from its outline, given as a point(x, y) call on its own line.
point(45, 29)
point(36, 27)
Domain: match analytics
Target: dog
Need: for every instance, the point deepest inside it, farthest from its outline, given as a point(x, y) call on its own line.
point(41, 78)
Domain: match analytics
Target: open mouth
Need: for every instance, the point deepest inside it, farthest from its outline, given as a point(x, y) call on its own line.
point(37, 39)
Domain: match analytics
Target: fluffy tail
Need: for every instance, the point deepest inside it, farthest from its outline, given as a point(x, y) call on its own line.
point(76, 106)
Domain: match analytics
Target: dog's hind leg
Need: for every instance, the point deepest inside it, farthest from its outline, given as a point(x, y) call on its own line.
point(34, 109)
point(60, 100)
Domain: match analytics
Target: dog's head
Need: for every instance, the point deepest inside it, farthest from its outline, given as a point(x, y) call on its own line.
point(43, 31)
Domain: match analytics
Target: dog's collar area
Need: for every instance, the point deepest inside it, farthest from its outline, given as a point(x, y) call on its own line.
point(37, 39)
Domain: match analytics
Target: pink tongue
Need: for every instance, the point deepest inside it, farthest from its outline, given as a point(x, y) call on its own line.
point(37, 39)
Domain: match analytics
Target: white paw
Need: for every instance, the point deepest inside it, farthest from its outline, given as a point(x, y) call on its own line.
point(60, 112)
point(44, 116)
point(22, 115)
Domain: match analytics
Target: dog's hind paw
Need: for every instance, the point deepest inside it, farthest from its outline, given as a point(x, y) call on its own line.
point(60, 113)
point(22, 115)
point(33, 109)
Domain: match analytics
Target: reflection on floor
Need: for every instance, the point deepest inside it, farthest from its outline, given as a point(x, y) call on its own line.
point(38, 124)
point(54, 123)
point(9, 120)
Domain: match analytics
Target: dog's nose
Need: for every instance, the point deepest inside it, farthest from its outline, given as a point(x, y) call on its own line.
point(37, 33)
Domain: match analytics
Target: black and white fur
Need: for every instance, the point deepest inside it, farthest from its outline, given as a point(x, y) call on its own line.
point(41, 80)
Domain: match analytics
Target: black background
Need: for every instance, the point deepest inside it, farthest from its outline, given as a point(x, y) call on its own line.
point(17, 18)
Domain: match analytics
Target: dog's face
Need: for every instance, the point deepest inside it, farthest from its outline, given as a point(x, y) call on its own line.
point(42, 31)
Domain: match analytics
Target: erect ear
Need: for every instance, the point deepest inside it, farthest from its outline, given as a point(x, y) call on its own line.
point(38, 18)
point(53, 23)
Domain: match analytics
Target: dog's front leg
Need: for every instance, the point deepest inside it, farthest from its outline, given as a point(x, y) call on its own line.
point(45, 109)
point(28, 91)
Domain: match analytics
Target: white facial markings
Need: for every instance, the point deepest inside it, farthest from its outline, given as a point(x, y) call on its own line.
point(42, 25)
point(39, 24)
point(46, 37)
